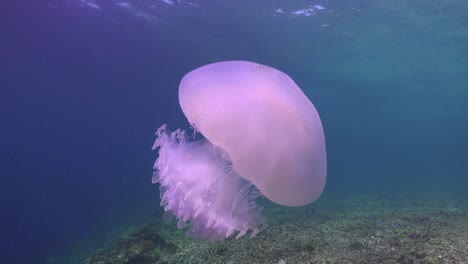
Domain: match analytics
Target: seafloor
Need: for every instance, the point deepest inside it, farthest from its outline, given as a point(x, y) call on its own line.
point(347, 229)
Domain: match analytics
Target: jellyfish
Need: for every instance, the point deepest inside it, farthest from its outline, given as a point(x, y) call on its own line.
point(262, 137)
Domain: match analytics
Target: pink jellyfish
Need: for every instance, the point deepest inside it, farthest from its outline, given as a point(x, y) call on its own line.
point(263, 137)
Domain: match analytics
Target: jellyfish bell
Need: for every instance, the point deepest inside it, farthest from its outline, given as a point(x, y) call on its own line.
point(262, 137)
point(265, 123)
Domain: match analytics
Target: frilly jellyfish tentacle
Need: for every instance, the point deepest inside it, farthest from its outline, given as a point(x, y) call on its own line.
point(196, 187)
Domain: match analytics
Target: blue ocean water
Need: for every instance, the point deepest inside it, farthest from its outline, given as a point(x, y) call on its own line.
point(86, 83)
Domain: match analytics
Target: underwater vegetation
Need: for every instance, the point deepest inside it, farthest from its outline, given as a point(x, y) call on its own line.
point(137, 246)
point(350, 229)
point(262, 137)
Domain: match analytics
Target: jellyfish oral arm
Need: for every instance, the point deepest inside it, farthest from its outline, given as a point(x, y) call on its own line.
point(197, 186)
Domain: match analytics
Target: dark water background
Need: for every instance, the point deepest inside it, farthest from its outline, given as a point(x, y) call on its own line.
point(83, 89)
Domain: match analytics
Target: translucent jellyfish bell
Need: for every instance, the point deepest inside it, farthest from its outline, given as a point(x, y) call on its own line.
point(263, 137)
